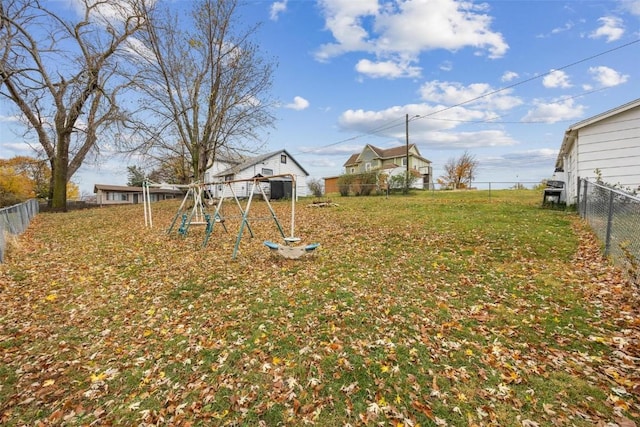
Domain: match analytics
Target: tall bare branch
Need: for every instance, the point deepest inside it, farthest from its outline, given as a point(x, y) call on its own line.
point(62, 75)
point(206, 88)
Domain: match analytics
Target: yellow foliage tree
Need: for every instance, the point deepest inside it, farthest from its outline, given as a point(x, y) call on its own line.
point(24, 177)
point(14, 183)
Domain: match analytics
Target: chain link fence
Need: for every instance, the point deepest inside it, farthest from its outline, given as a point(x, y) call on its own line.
point(14, 220)
point(614, 217)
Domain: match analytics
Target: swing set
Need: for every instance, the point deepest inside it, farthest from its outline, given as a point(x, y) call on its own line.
point(196, 213)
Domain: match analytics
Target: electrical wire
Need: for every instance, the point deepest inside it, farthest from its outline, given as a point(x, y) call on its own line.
point(388, 126)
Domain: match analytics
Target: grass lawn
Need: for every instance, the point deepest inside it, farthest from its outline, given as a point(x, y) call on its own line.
point(445, 308)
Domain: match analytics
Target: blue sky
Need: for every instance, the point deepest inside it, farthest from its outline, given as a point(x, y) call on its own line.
point(347, 68)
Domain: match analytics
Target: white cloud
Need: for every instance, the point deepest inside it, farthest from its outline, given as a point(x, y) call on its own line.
point(344, 19)
point(633, 6)
point(17, 148)
point(611, 28)
point(566, 27)
point(439, 24)
point(277, 8)
point(509, 76)
point(454, 93)
point(405, 29)
point(523, 159)
point(12, 118)
point(299, 103)
point(554, 112)
point(387, 69)
point(459, 140)
point(107, 13)
point(607, 77)
point(433, 123)
point(556, 79)
point(446, 66)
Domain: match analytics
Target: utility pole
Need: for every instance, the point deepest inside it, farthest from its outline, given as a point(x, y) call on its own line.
point(406, 178)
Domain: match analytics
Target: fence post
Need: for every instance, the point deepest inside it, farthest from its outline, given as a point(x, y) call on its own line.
point(607, 244)
point(584, 209)
point(578, 194)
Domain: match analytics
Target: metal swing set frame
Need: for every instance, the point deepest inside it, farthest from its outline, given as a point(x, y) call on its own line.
point(198, 215)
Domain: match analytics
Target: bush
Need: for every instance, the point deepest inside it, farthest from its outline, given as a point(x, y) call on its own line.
point(9, 199)
point(344, 184)
point(362, 184)
point(366, 183)
point(316, 187)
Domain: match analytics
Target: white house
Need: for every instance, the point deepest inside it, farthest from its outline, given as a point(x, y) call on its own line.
point(270, 164)
point(608, 142)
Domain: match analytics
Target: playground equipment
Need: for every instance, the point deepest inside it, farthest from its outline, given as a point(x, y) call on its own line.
point(197, 213)
point(291, 252)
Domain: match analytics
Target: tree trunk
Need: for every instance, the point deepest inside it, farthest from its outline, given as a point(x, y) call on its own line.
point(59, 176)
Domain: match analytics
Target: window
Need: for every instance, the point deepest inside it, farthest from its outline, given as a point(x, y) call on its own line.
point(283, 158)
point(123, 197)
point(267, 172)
point(353, 170)
point(403, 161)
point(367, 166)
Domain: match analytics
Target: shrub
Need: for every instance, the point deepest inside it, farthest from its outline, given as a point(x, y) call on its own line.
point(344, 184)
point(316, 187)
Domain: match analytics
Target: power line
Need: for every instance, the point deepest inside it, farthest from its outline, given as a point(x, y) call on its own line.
point(493, 92)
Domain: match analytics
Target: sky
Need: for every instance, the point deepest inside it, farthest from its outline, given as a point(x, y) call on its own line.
point(501, 80)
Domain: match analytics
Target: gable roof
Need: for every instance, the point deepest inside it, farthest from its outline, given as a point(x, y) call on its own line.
point(572, 131)
point(387, 153)
point(353, 159)
point(247, 163)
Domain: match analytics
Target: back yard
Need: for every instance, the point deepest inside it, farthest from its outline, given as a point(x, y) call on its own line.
point(454, 309)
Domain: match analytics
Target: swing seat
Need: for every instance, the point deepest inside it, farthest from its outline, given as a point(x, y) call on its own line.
point(291, 252)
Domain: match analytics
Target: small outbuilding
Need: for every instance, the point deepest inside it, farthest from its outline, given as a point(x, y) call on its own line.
point(274, 164)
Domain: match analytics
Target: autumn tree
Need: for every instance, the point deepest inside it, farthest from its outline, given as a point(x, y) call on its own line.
point(459, 172)
point(15, 186)
point(205, 85)
point(172, 170)
point(23, 178)
point(63, 76)
point(34, 171)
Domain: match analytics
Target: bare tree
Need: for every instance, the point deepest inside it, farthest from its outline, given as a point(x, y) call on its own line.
point(63, 76)
point(205, 83)
point(460, 172)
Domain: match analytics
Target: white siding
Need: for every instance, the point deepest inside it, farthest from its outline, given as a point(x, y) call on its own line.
point(277, 167)
point(611, 145)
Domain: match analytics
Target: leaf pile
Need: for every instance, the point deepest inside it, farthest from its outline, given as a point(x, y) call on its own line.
point(432, 309)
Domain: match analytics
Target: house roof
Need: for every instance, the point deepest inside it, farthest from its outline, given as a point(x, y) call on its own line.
point(571, 132)
point(353, 159)
point(388, 153)
point(246, 164)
